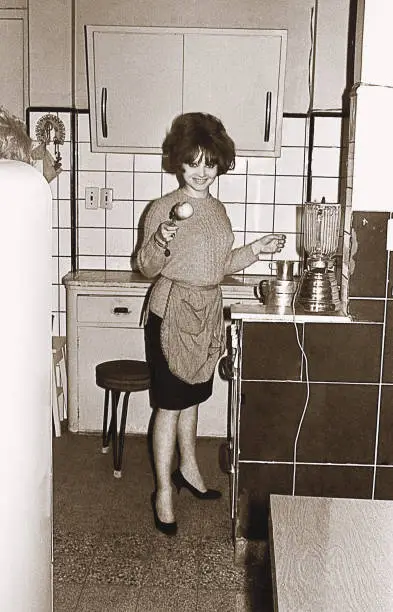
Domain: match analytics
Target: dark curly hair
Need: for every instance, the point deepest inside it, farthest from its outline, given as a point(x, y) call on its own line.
point(193, 133)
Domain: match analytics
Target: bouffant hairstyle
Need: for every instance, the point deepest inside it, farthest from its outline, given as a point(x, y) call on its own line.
point(15, 143)
point(193, 133)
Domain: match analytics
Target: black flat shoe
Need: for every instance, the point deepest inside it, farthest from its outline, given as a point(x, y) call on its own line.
point(170, 529)
point(179, 481)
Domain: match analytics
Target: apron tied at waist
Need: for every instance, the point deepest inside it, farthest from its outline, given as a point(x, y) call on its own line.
point(192, 331)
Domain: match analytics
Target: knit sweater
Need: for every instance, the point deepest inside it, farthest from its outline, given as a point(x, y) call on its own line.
point(201, 253)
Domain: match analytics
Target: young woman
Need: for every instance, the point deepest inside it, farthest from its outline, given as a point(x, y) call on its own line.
point(188, 257)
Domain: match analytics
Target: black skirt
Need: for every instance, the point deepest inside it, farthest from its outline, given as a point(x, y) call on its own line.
point(168, 391)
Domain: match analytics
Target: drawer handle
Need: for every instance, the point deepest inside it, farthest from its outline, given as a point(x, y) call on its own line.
point(121, 310)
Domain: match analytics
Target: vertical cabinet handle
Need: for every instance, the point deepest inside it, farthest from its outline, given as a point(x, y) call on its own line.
point(104, 100)
point(268, 115)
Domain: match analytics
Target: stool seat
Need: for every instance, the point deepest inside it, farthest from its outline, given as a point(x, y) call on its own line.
point(117, 377)
point(123, 375)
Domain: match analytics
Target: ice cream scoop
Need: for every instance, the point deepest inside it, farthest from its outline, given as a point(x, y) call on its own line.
point(181, 211)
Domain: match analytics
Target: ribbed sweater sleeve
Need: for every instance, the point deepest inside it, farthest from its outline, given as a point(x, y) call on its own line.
point(151, 257)
point(239, 259)
point(201, 253)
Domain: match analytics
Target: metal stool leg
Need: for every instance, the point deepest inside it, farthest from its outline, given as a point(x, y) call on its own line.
point(115, 395)
point(106, 433)
point(117, 377)
point(118, 460)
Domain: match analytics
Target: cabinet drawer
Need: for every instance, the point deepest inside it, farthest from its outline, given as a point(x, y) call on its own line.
point(110, 309)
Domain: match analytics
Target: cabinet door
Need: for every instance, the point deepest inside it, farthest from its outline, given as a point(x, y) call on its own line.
point(213, 414)
point(135, 87)
point(95, 345)
point(239, 77)
point(141, 78)
point(13, 71)
point(270, 352)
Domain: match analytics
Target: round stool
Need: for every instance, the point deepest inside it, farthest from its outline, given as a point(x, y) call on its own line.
point(117, 377)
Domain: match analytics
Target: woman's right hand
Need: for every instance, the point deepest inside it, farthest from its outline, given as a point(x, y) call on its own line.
point(271, 243)
point(166, 231)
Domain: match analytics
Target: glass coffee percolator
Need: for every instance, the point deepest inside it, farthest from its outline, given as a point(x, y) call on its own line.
point(318, 289)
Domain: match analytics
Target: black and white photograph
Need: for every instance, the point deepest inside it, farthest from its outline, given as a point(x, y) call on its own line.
point(196, 343)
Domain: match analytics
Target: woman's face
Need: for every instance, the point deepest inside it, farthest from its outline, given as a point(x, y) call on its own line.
point(198, 176)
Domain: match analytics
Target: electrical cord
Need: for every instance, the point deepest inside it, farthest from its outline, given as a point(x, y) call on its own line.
point(311, 59)
point(307, 387)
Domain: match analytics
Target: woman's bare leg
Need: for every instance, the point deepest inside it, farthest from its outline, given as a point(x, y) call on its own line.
point(186, 436)
point(164, 442)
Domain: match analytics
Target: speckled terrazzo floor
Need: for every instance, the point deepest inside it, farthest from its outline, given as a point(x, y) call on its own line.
point(108, 556)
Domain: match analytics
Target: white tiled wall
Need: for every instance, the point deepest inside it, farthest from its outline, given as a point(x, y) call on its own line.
point(260, 194)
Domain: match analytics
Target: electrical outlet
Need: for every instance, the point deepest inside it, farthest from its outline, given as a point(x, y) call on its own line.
point(92, 196)
point(106, 197)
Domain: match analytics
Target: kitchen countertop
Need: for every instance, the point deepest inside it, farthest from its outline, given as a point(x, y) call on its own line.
point(234, 288)
point(241, 286)
point(100, 278)
point(260, 312)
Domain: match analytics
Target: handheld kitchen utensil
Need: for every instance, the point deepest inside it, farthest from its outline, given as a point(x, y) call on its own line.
point(179, 212)
point(318, 289)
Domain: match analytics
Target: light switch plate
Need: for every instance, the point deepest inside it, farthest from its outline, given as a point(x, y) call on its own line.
point(92, 196)
point(106, 197)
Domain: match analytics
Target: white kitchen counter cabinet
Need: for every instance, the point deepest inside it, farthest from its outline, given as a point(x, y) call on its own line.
point(140, 78)
point(95, 333)
point(104, 323)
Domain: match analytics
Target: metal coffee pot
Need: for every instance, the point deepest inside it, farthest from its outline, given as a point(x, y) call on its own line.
point(284, 269)
point(277, 292)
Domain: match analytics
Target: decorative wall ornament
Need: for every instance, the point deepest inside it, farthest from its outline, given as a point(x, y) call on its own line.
point(49, 129)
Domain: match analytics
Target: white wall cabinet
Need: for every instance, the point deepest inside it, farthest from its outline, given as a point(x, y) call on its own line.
point(14, 67)
point(103, 315)
point(135, 85)
point(141, 78)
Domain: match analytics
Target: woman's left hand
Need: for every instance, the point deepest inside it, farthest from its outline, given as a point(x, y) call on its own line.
point(272, 243)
